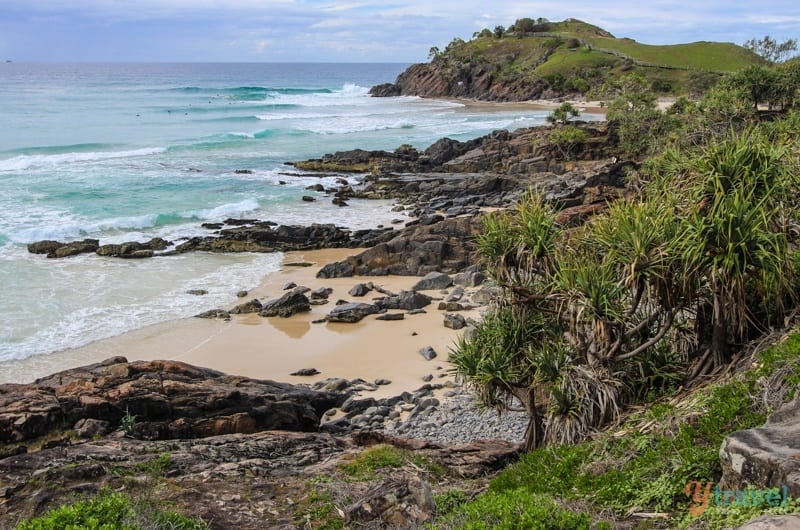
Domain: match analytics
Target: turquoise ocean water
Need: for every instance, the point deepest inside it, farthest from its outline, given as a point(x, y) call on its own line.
point(122, 152)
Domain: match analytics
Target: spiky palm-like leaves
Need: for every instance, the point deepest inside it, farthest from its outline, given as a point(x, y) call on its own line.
point(599, 315)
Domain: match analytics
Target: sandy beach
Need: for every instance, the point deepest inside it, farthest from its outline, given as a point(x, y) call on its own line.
point(589, 107)
point(272, 348)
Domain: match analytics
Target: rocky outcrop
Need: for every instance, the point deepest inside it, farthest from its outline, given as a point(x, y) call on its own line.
point(246, 481)
point(264, 236)
point(134, 249)
point(433, 280)
point(765, 457)
point(446, 246)
point(287, 305)
point(773, 522)
point(244, 235)
point(157, 400)
point(473, 80)
point(57, 249)
point(351, 313)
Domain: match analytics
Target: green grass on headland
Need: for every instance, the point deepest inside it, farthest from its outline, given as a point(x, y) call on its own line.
point(642, 466)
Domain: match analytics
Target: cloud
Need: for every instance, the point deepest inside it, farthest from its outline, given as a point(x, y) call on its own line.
point(308, 30)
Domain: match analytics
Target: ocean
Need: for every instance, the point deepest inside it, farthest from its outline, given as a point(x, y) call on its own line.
point(124, 152)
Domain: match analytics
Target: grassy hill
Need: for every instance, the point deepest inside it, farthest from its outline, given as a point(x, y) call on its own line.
point(569, 58)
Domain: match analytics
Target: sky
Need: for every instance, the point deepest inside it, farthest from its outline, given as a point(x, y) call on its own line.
point(345, 31)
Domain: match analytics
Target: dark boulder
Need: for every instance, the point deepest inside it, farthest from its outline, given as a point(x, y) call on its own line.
point(351, 312)
point(253, 306)
point(56, 249)
point(433, 280)
point(287, 305)
point(408, 300)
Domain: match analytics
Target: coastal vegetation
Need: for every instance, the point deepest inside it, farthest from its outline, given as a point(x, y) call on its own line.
point(636, 338)
point(662, 288)
point(535, 59)
point(637, 470)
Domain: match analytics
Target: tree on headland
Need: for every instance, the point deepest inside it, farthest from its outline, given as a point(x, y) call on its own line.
point(563, 113)
point(770, 49)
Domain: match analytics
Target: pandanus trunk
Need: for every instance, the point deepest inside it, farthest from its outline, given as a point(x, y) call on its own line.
point(534, 433)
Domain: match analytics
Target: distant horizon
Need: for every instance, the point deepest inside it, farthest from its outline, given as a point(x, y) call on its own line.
point(336, 31)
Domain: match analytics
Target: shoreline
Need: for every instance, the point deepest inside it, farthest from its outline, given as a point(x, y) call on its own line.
point(273, 347)
point(596, 107)
point(588, 107)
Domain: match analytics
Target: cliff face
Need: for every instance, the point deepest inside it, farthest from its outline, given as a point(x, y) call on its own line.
point(472, 81)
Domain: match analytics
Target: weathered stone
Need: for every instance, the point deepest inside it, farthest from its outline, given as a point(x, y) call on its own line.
point(253, 306)
point(773, 522)
point(305, 372)
point(428, 353)
point(168, 399)
point(447, 246)
point(321, 293)
point(454, 321)
point(215, 313)
point(765, 457)
point(90, 428)
point(407, 502)
point(433, 280)
point(359, 289)
point(351, 312)
point(388, 317)
point(57, 249)
point(408, 300)
point(287, 305)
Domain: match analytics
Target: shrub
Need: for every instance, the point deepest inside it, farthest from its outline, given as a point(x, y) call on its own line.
point(111, 511)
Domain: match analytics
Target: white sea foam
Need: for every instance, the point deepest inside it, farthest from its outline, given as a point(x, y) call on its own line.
point(227, 210)
point(121, 228)
point(127, 295)
point(23, 162)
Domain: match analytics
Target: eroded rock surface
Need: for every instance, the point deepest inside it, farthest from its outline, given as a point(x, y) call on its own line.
point(160, 399)
point(765, 457)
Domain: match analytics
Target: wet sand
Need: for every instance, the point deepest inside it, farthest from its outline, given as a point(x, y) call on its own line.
point(272, 348)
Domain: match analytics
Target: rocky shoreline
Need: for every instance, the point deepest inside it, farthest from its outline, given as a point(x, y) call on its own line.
point(76, 425)
point(253, 453)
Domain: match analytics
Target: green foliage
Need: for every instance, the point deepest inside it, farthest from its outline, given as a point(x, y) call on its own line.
point(563, 113)
point(449, 501)
point(387, 456)
point(518, 509)
point(734, 515)
point(646, 296)
point(575, 57)
point(770, 49)
point(647, 471)
point(128, 422)
point(111, 511)
point(319, 511)
point(566, 139)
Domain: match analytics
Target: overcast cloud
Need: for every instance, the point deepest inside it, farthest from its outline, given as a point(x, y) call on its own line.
point(343, 31)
